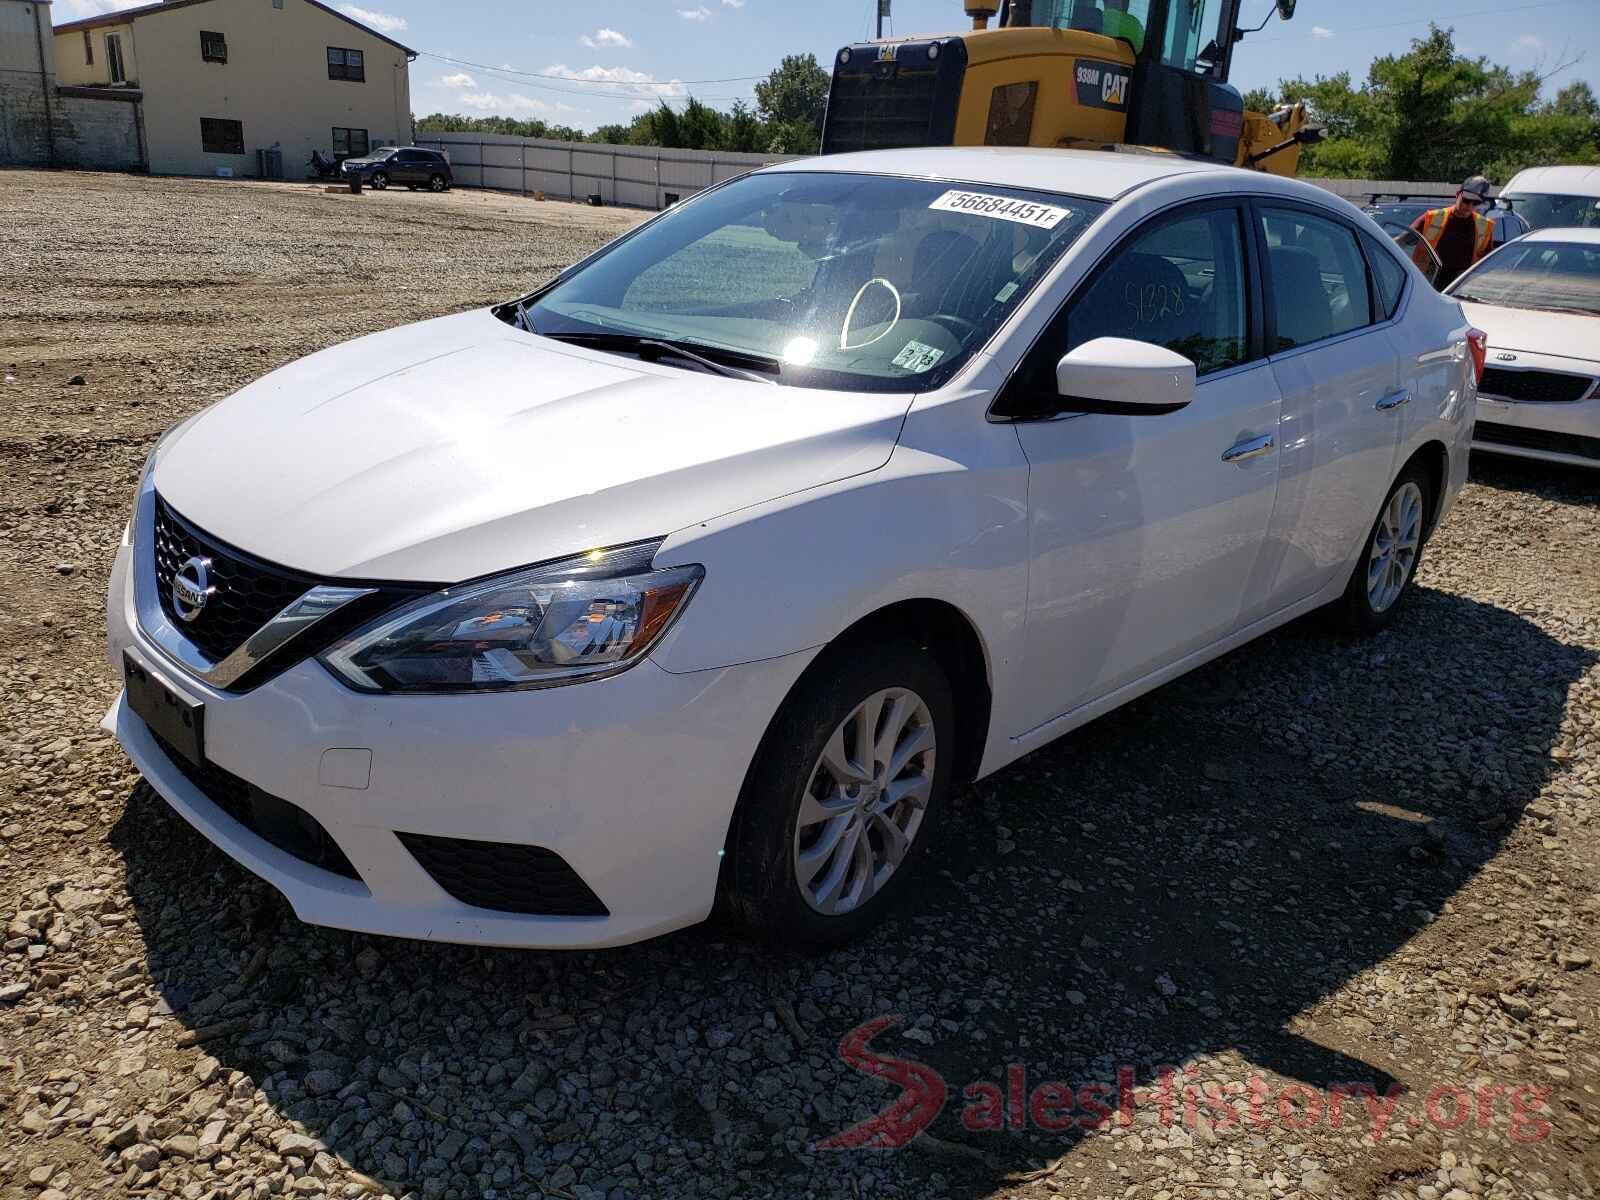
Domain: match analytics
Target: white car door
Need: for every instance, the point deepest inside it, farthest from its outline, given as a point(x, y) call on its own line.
point(1344, 397)
point(1145, 530)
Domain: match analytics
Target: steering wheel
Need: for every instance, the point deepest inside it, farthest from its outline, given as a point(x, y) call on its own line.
point(850, 313)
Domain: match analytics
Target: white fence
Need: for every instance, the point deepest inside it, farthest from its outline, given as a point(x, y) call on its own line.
point(650, 177)
point(638, 176)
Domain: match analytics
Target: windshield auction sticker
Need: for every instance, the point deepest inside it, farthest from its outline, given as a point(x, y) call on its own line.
point(1002, 208)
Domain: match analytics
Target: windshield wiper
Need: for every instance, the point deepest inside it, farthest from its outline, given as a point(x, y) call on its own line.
point(765, 369)
point(523, 318)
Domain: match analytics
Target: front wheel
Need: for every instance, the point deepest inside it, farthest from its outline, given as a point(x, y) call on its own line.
point(380, 180)
point(841, 799)
point(1389, 560)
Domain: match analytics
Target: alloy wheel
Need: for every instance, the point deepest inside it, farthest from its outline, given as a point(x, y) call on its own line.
point(1394, 547)
point(380, 181)
point(436, 183)
point(865, 801)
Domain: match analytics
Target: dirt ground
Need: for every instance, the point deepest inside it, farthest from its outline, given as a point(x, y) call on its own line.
point(1317, 920)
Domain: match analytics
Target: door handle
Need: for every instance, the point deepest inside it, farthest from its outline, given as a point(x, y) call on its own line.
point(1394, 400)
point(1249, 448)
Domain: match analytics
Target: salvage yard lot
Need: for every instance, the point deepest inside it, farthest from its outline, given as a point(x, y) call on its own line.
point(1316, 863)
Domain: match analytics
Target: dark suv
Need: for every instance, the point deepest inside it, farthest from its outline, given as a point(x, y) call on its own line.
point(409, 165)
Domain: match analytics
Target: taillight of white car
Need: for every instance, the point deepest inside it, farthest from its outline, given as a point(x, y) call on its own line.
point(1478, 344)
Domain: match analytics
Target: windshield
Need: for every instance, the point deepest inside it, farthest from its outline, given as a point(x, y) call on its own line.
point(1556, 276)
point(1544, 209)
point(857, 282)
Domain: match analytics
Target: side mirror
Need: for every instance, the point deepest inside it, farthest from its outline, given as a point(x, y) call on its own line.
point(1123, 377)
point(1286, 9)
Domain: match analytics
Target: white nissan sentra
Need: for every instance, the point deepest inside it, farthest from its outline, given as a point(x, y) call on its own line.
point(699, 577)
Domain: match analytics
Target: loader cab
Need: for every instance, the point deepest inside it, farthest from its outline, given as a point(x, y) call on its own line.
point(1050, 73)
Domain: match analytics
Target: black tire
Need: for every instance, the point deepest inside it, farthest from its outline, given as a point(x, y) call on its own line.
point(380, 180)
point(760, 888)
point(1356, 611)
point(437, 182)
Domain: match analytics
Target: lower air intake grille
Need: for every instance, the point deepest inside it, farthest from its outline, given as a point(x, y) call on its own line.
point(505, 876)
point(288, 827)
point(1536, 439)
point(1535, 387)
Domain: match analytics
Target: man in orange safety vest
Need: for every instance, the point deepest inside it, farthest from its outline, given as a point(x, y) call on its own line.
point(1459, 234)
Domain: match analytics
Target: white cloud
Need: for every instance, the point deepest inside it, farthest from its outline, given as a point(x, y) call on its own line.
point(381, 21)
point(695, 14)
point(1529, 41)
point(459, 80)
point(607, 37)
point(511, 104)
point(629, 83)
point(77, 10)
point(1321, 31)
point(734, 3)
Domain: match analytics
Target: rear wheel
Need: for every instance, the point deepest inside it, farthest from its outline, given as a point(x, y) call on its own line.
point(842, 797)
point(380, 180)
point(437, 182)
point(1389, 561)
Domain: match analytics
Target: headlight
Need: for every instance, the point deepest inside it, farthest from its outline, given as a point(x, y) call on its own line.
point(594, 615)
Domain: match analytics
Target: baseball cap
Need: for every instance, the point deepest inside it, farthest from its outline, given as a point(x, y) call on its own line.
point(1476, 185)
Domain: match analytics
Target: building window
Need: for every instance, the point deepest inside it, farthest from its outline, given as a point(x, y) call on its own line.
point(114, 58)
point(213, 47)
point(349, 143)
point(88, 49)
point(221, 136)
point(347, 64)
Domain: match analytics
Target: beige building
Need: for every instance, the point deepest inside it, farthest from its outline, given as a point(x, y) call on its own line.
point(223, 79)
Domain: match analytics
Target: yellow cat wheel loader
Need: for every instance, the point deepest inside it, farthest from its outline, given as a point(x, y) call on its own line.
point(1083, 74)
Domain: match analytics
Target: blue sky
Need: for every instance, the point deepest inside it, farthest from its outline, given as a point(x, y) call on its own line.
point(597, 61)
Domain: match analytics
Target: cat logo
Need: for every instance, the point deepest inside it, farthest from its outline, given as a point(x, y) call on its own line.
point(1101, 85)
point(886, 53)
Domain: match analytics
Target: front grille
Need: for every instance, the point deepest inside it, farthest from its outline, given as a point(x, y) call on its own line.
point(248, 594)
point(505, 876)
point(1536, 439)
point(287, 826)
point(1534, 387)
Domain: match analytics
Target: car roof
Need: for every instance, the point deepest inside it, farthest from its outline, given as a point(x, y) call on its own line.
point(1571, 181)
point(1557, 233)
point(1097, 174)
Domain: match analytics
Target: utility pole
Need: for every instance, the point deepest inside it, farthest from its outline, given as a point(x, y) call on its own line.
point(883, 11)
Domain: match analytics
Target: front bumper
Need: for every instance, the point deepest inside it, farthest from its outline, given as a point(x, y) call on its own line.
point(631, 780)
point(1562, 431)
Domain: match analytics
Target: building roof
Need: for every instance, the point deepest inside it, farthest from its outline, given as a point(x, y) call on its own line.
point(130, 14)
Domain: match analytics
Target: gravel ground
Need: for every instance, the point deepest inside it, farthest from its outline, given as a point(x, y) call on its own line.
point(1317, 862)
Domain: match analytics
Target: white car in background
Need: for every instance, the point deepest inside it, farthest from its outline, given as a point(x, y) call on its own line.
point(707, 570)
point(1555, 196)
point(1538, 299)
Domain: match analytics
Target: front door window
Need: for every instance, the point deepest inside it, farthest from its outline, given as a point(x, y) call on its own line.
point(1191, 41)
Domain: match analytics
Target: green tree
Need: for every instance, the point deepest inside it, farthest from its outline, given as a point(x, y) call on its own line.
point(797, 90)
point(1432, 113)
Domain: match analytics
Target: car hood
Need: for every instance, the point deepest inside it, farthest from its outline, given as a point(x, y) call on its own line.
point(461, 446)
point(1565, 335)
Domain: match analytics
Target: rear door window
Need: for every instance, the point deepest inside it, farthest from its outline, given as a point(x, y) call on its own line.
point(1319, 278)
